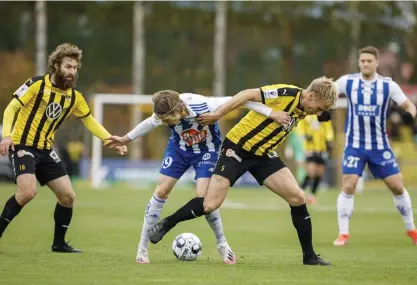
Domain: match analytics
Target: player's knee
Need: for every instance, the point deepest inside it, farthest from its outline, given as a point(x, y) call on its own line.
point(25, 192)
point(397, 188)
point(67, 200)
point(210, 205)
point(297, 198)
point(349, 188)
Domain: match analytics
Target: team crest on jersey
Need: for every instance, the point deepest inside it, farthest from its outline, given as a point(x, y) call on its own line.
point(53, 111)
point(193, 136)
point(387, 155)
point(206, 156)
point(290, 125)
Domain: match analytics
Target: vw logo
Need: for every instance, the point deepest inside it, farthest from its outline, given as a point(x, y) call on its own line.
point(53, 111)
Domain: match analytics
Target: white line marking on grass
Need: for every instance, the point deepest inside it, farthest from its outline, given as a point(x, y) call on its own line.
point(316, 208)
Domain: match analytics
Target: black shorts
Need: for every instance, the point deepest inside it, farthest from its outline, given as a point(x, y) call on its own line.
point(317, 157)
point(45, 164)
point(235, 161)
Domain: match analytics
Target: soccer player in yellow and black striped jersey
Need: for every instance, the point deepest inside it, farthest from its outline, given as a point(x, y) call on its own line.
point(318, 136)
point(250, 145)
point(42, 104)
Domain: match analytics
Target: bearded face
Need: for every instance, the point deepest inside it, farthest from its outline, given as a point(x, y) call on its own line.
point(66, 74)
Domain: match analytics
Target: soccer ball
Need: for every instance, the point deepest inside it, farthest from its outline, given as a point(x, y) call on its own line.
point(187, 247)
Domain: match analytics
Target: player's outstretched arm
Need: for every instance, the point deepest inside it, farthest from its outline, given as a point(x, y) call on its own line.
point(235, 102)
point(8, 118)
point(140, 130)
point(99, 131)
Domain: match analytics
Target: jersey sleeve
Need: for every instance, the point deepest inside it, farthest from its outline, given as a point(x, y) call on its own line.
point(213, 103)
point(81, 109)
point(328, 130)
point(269, 94)
point(341, 84)
point(144, 127)
point(25, 92)
point(396, 94)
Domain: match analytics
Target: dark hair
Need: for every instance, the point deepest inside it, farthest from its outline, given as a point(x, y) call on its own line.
point(370, 49)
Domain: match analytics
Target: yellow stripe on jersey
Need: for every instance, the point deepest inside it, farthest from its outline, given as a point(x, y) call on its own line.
point(44, 108)
point(316, 134)
point(261, 135)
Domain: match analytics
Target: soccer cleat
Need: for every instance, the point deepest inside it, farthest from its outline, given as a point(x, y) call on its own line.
point(226, 253)
point(316, 260)
point(158, 231)
point(142, 256)
point(413, 235)
point(341, 240)
point(66, 248)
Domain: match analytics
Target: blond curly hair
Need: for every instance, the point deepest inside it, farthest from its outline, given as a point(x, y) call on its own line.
point(61, 51)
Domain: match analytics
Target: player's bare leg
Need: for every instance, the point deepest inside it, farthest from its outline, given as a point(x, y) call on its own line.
point(402, 202)
point(26, 191)
point(345, 203)
point(152, 213)
point(215, 222)
point(284, 184)
point(63, 191)
point(195, 208)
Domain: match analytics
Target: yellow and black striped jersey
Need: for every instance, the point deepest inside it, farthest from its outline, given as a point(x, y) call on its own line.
point(261, 135)
point(316, 134)
point(44, 108)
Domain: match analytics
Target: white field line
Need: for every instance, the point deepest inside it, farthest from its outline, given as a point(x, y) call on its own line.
point(316, 208)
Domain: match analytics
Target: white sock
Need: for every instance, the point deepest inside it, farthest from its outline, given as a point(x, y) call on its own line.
point(344, 212)
point(152, 213)
point(215, 222)
point(403, 204)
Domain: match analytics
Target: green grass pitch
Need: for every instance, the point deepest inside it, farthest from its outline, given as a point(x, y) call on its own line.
point(107, 223)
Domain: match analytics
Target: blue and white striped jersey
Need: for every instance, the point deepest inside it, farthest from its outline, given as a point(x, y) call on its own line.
point(368, 103)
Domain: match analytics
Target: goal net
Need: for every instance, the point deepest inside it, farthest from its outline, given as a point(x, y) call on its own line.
point(122, 169)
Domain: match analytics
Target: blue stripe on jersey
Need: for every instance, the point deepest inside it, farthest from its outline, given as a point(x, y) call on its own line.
point(350, 113)
point(361, 118)
point(372, 119)
point(215, 133)
point(384, 113)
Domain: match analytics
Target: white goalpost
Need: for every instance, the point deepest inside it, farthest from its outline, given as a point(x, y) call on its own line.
point(98, 172)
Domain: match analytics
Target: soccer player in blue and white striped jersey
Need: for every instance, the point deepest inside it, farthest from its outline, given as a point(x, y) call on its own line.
point(369, 95)
point(191, 145)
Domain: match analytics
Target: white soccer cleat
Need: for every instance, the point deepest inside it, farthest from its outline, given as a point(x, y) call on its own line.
point(226, 253)
point(142, 256)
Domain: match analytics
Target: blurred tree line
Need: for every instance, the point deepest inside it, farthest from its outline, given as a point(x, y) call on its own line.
point(267, 42)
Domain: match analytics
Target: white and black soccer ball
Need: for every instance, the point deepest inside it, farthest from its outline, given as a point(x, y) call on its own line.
point(187, 247)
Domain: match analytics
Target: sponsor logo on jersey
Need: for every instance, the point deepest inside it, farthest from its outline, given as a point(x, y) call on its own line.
point(367, 110)
point(193, 136)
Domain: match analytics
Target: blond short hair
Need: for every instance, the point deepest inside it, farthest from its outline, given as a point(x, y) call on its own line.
point(325, 89)
point(166, 102)
point(61, 51)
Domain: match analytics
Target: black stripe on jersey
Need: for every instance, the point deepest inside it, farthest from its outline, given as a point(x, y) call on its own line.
point(263, 96)
point(43, 121)
point(17, 97)
point(67, 112)
point(288, 91)
point(61, 103)
point(274, 145)
point(256, 146)
point(33, 80)
point(254, 132)
point(33, 113)
point(85, 116)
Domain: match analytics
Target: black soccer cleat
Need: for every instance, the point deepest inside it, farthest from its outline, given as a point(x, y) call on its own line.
point(157, 232)
point(316, 260)
point(66, 248)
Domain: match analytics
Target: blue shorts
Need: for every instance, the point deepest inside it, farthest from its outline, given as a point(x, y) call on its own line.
point(176, 162)
point(381, 163)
